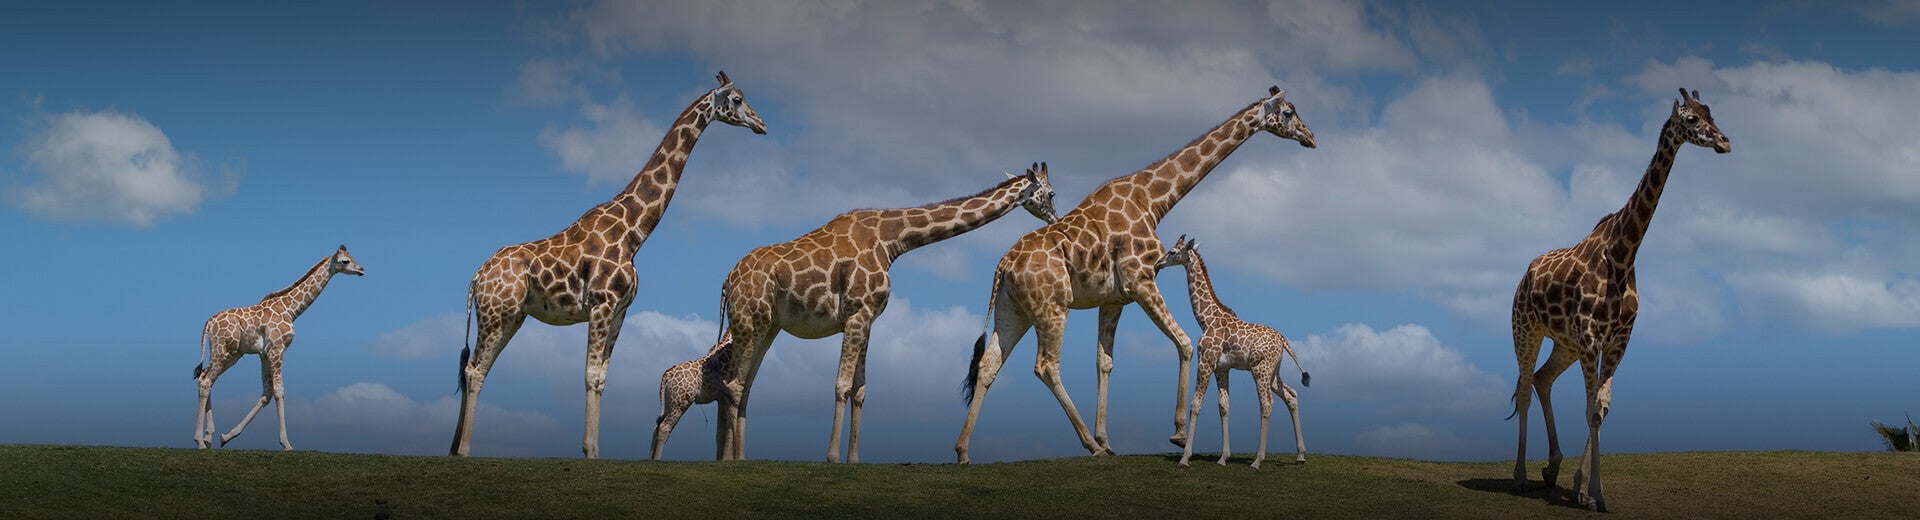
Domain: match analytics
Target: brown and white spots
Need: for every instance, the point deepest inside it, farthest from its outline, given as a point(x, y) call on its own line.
point(834, 280)
point(264, 328)
point(1101, 255)
point(1584, 298)
point(585, 272)
point(1227, 343)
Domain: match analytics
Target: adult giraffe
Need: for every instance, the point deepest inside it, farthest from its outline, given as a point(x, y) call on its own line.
point(1584, 298)
point(1102, 254)
point(585, 272)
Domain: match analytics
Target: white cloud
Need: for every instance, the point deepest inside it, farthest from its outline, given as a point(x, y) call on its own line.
point(1414, 441)
point(1835, 302)
point(107, 166)
point(616, 142)
point(1403, 369)
point(371, 417)
point(427, 338)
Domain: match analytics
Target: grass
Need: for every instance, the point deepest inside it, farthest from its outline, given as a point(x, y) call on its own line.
point(111, 482)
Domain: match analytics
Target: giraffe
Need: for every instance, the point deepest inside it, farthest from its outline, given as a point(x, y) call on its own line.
point(695, 381)
point(1583, 297)
point(1226, 343)
point(1102, 254)
point(833, 280)
point(264, 328)
point(585, 272)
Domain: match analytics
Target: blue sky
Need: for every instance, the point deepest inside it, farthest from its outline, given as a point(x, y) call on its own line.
point(161, 163)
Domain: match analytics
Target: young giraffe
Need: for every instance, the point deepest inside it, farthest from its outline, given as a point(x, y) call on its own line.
point(1102, 254)
point(264, 328)
point(833, 280)
point(1227, 343)
point(695, 381)
point(1584, 298)
point(585, 272)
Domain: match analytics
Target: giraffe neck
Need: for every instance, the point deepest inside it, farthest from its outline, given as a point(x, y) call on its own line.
point(1630, 223)
point(295, 299)
point(1206, 303)
point(905, 229)
point(646, 197)
point(1163, 183)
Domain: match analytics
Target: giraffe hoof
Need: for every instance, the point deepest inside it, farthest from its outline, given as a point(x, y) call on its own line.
point(1256, 464)
point(1183, 465)
point(1178, 440)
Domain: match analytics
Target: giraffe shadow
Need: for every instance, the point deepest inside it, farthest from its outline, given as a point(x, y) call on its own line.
point(1538, 490)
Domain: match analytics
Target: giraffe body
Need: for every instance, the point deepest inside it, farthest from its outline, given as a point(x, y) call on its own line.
point(1229, 343)
point(1102, 255)
point(695, 381)
point(1584, 298)
point(264, 329)
point(834, 280)
point(585, 272)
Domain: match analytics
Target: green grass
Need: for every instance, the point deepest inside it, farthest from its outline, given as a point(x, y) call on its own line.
point(109, 482)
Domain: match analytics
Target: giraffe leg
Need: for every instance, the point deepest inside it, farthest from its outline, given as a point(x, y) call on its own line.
point(603, 331)
point(498, 315)
point(1046, 366)
point(279, 395)
point(1292, 400)
point(219, 361)
point(669, 416)
point(266, 396)
point(759, 338)
point(1226, 447)
point(1199, 393)
point(853, 345)
point(1586, 478)
point(1109, 322)
point(1147, 294)
point(1266, 413)
point(1543, 380)
point(1010, 325)
point(1526, 352)
point(859, 402)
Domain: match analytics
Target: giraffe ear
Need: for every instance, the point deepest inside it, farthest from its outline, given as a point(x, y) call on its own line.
point(723, 79)
point(1191, 243)
point(1009, 174)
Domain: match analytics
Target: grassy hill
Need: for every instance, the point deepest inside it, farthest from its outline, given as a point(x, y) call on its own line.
point(108, 482)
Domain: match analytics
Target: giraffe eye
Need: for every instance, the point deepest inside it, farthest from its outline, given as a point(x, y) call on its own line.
point(1693, 119)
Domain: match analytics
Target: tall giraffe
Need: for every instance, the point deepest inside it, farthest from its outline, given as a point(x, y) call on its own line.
point(1583, 297)
point(833, 280)
point(585, 272)
point(694, 381)
point(264, 328)
point(1102, 254)
point(1226, 343)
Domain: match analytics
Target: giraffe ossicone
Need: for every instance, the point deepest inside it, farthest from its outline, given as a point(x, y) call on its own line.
point(1584, 298)
point(1101, 255)
point(265, 329)
point(1227, 343)
point(585, 272)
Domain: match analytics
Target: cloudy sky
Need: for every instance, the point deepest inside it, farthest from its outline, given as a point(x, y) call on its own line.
point(161, 163)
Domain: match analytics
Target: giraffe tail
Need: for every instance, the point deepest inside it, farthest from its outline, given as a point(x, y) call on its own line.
point(466, 341)
point(202, 367)
point(1306, 379)
point(980, 345)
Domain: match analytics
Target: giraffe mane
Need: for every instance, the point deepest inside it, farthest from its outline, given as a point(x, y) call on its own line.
point(930, 205)
point(296, 283)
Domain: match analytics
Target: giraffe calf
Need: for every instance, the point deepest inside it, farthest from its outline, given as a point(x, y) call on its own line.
point(695, 381)
point(1228, 343)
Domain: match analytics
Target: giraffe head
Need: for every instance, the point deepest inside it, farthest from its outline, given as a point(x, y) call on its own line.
point(1278, 117)
point(728, 105)
point(343, 263)
point(1038, 196)
point(1696, 122)
point(1180, 254)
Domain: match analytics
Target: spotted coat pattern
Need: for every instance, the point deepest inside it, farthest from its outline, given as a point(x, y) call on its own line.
point(1101, 255)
